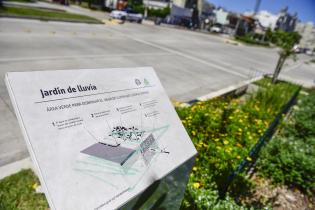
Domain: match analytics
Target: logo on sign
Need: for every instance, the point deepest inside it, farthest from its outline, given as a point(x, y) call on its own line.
point(138, 82)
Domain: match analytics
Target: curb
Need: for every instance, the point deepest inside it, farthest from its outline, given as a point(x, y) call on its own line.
point(15, 167)
point(302, 83)
point(223, 91)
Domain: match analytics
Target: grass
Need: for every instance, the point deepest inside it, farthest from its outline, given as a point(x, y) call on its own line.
point(17, 192)
point(23, 1)
point(45, 14)
point(313, 61)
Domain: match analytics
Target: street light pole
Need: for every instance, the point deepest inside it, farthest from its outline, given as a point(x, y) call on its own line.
point(146, 9)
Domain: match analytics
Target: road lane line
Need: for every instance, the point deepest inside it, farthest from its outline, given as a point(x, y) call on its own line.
point(2, 60)
point(182, 54)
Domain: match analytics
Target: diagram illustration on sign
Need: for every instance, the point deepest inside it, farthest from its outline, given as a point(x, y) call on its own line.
point(125, 149)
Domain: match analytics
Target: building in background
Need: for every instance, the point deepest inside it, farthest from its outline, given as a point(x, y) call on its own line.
point(267, 19)
point(179, 3)
point(156, 4)
point(286, 22)
point(307, 31)
point(221, 16)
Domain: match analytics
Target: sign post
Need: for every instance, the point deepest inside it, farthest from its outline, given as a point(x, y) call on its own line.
point(103, 138)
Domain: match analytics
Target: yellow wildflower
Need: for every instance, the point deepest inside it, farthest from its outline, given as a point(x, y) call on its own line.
point(238, 157)
point(194, 168)
point(196, 185)
point(34, 186)
point(249, 158)
point(225, 142)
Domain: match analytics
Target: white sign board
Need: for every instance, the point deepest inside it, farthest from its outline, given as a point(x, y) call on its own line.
point(98, 137)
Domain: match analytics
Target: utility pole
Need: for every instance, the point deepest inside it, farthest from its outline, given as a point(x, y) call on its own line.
point(146, 4)
point(257, 5)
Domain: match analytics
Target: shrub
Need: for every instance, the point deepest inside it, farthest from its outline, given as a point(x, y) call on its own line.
point(250, 40)
point(224, 130)
point(162, 13)
point(200, 198)
point(290, 157)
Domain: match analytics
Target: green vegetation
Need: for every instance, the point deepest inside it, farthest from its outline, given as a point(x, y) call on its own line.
point(17, 192)
point(201, 198)
point(286, 42)
point(250, 39)
point(153, 13)
point(45, 14)
point(224, 130)
point(23, 1)
point(162, 13)
point(290, 157)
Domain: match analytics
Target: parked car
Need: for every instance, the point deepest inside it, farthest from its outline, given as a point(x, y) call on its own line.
point(216, 28)
point(127, 14)
point(118, 14)
point(174, 20)
point(133, 16)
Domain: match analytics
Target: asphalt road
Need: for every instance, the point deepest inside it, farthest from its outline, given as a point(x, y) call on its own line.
point(189, 64)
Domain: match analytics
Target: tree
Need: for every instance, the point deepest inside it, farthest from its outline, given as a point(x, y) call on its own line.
point(286, 42)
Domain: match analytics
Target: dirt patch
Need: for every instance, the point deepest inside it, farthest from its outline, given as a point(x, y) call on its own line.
point(277, 197)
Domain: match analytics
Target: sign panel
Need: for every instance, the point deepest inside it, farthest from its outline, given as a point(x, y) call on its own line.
point(98, 137)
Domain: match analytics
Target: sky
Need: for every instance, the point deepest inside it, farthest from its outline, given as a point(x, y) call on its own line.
point(304, 8)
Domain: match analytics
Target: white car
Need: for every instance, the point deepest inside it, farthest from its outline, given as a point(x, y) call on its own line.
point(117, 14)
point(126, 15)
point(216, 28)
point(134, 17)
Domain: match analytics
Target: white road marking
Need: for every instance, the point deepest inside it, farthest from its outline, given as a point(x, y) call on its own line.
point(190, 57)
point(80, 56)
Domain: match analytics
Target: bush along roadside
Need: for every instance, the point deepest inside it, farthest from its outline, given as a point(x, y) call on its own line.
point(290, 157)
point(223, 131)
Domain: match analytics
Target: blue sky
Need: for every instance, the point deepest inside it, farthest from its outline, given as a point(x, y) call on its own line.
point(304, 8)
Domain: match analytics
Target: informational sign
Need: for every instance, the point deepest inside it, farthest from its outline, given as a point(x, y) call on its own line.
point(98, 137)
